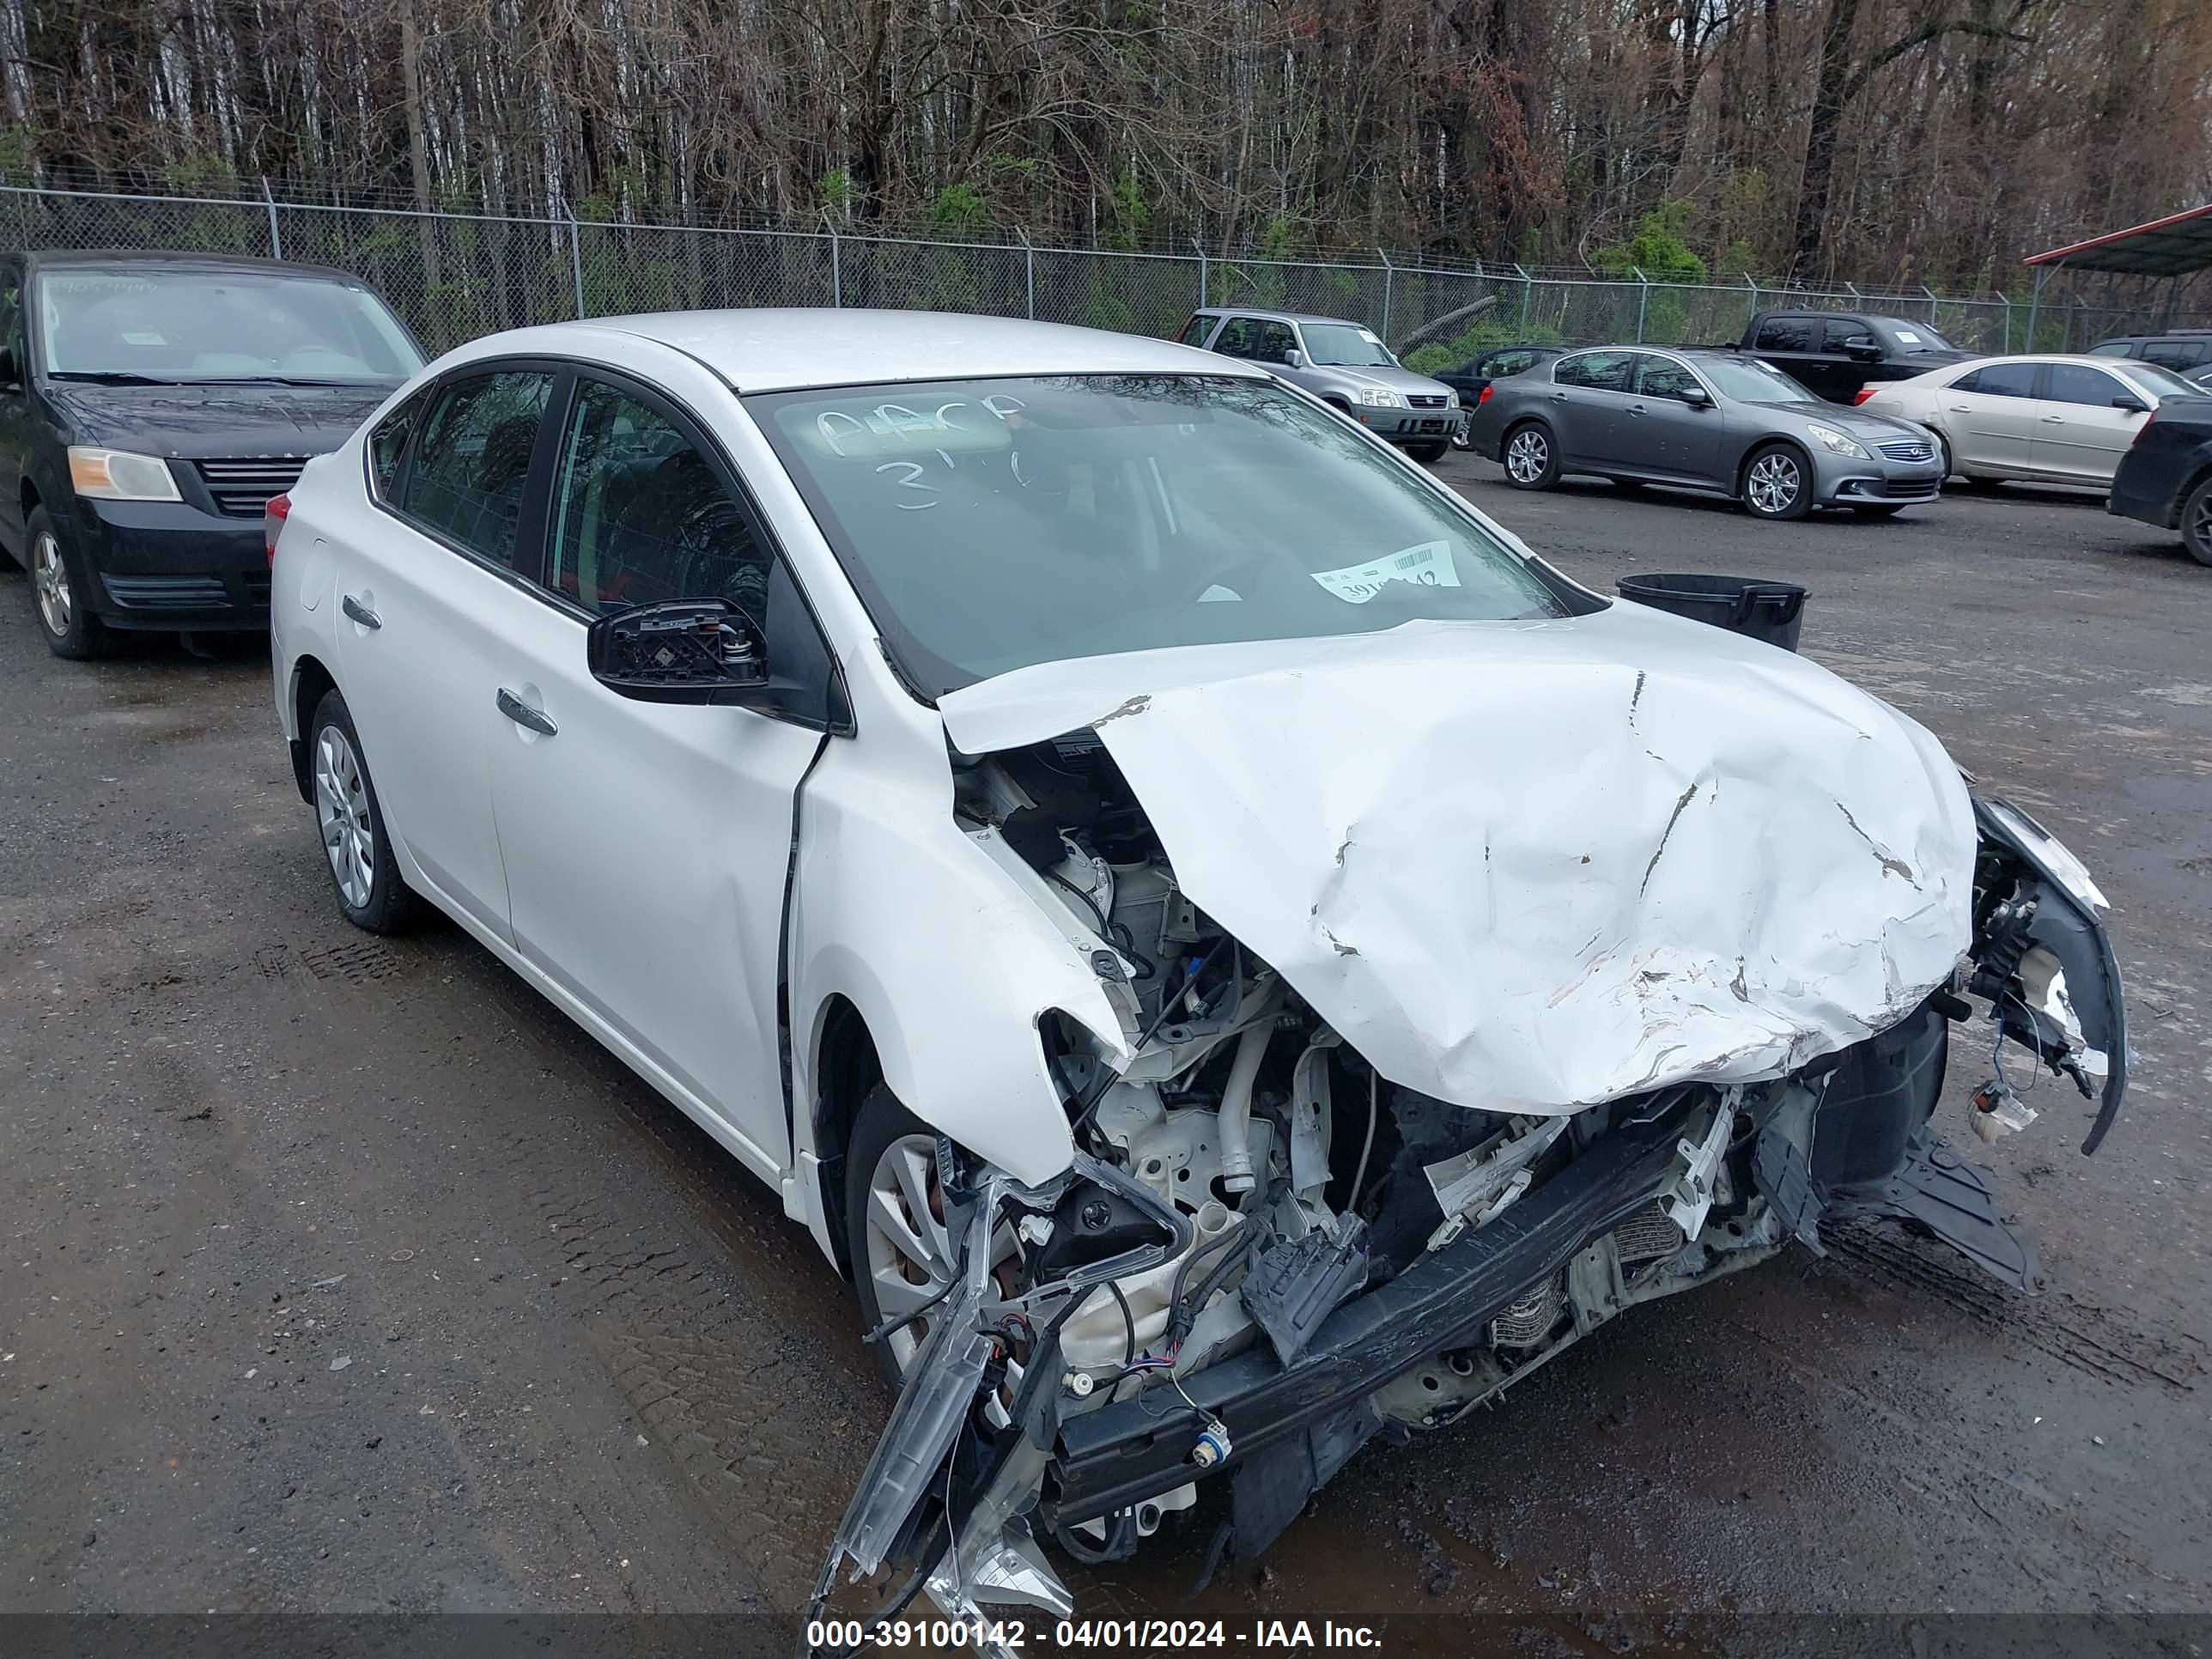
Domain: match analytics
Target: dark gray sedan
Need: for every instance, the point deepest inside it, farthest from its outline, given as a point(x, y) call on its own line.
point(1703, 420)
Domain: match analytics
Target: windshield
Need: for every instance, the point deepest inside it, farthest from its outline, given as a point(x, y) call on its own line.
point(1345, 345)
point(1748, 380)
point(2155, 382)
point(990, 525)
point(161, 325)
point(1918, 337)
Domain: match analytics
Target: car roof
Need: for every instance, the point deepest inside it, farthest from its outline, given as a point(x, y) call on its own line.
point(2082, 358)
point(768, 349)
point(1275, 316)
point(107, 258)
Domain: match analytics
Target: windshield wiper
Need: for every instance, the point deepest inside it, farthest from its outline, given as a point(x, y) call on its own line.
point(108, 376)
point(268, 380)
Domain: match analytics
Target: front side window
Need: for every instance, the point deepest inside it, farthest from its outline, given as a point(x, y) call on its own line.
point(1345, 345)
point(2071, 383)
point(157, 323)
point(1837, 334)
point(1275, 343)
point(1598, 371)
point(472, 457)
point(1240, 337)
point(640, 515)
point(1662, 377)
point(989, 525)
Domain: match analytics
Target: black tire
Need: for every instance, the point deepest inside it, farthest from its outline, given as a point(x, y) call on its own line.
point(346, 807)
point(1536, 458)
point(61, 594)
point(1779, 476)
point(1943, 455)
point(882, 1123)
point(1428, 453)
point(1889, 512)
point(2197, 522)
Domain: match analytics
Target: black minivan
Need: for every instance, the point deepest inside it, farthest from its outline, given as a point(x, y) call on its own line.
point(150, 405)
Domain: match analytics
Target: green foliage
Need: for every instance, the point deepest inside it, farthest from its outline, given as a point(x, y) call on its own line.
point(835, 190)
point(1660, 248)
point(1127, 212)
point(959, 208)
point(1478, 337)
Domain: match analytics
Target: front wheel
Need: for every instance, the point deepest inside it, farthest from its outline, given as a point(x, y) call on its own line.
point(1428, 453)
point(62, 590)
point(1462, 437)
point(2196, 523)
point(1777, 484)
point(1531, 462)
point(903, 1252)
point(356, 843)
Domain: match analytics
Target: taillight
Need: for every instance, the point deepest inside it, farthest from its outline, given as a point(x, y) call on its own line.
point(272, 522)
point(1486, 390)
point(1862, 395)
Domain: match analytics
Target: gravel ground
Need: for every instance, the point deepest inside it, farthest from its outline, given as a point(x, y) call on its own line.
point(344, 1275)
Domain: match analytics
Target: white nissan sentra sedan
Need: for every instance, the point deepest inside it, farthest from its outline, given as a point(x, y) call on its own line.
point(1225, 948)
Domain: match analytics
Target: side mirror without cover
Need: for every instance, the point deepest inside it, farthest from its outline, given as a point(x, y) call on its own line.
point(687, 651)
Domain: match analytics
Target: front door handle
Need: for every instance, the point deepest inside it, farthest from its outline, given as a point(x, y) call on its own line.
point(2054, 420)
point(1636, 408)
point(1558, 397)
point(537, 720)
point(361, 613)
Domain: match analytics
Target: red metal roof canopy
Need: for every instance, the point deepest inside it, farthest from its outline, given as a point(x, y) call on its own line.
point(2172, 246)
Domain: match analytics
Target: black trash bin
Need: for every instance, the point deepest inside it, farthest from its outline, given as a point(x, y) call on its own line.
point(1749, 605)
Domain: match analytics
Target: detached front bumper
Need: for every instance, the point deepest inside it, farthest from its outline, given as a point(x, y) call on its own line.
point(170, 565)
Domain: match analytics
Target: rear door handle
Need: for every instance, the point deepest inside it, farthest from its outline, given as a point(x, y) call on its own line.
point(1636, 408)
point(2054, 420)
point(537, 720)
point(1558, 397)
point(361, 613)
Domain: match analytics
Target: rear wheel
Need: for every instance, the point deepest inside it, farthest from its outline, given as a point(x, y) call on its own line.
point(1777, 484)
point(1432, 451)
point(1532, 462)
point(61, 591)
point(356, 844)
point(2196, 523)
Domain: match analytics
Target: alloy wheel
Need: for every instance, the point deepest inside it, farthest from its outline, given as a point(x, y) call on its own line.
point(910, 1254)
point(2197, 528)
point(342, 810)
point(50, 581)
point(1527, 456)
point(1774, 482)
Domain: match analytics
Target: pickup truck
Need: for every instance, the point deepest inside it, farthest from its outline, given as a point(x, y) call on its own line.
point(1835, 354)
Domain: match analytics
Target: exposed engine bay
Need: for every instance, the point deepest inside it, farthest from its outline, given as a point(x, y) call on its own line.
point(1266, 1252)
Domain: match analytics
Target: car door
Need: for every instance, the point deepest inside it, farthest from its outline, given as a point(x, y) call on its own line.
point(1988, 416)
point(427, 590)
point(18, 424)
point(1681, 438)
point(647, 844)
point(2081, 432)
point(1587, 407)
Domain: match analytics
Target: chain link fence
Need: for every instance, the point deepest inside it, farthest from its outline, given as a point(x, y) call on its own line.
point(455, 276)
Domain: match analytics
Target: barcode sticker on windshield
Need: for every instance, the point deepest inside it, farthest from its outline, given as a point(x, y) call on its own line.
point(1428, 565)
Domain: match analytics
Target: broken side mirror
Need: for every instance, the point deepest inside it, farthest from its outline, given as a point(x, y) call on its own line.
point(689, 651)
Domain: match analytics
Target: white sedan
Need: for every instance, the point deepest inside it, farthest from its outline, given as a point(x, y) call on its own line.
point(2043, 420)
point(1228, 949)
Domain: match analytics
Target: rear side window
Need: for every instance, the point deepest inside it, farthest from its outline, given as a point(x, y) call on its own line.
point(1195, 331)
point(1789, 334)
point(2175, 354)
point(2000, 380)
point(1501, 364)
point(473, 456)
point(1602, 371)
point(387, 445)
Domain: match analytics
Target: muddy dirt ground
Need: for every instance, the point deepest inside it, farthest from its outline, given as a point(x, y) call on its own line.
point(343, 1274)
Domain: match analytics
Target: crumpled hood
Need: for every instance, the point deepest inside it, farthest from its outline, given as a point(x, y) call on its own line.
point(1536, 866)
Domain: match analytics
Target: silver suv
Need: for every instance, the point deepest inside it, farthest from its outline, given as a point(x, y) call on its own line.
point(1343, 363)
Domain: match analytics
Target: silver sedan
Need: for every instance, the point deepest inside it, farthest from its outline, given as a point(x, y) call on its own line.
point(1702, 419)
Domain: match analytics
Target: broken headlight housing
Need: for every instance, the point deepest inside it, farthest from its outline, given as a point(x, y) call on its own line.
point(2045, 849)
